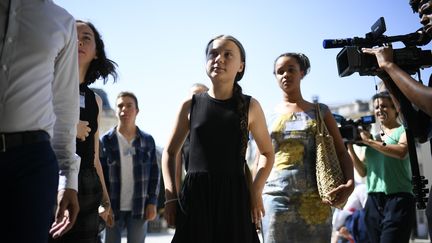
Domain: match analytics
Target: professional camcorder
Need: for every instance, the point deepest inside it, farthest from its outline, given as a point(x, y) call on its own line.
point(349, 128)
point(351, 59)
point(410, 59)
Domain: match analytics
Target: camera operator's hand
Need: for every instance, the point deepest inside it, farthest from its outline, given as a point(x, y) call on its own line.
point(357, 160)
point(417, 93)
point(365, 136)
point(384, 55)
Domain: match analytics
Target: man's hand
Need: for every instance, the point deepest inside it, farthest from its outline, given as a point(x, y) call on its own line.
point(150, 212)
point(66, 213)
point(344, 232)
point(384, 55)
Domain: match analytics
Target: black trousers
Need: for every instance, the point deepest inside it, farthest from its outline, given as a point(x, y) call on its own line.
point(429, 212)
point(389, 218)
point(429, 204)
point(28, 182)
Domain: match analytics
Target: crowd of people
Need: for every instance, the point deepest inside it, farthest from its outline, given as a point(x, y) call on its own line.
point(65, 182)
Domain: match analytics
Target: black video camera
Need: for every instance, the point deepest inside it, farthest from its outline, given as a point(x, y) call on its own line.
point(349, 129)
point(351, 59)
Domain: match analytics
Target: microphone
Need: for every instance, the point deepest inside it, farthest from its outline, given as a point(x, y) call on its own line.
point(413, 39)
point(356, 41)
point(336, 43)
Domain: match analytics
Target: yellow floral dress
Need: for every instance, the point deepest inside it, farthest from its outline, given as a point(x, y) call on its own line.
point(294, 211)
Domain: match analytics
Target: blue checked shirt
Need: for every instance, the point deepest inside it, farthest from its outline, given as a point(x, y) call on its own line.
point(146, 171)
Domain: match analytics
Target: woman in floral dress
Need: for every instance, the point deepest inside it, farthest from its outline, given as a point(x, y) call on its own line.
point(294, 211)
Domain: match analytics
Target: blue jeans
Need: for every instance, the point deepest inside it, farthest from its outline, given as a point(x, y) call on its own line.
point(136, 229)
point(28, 182)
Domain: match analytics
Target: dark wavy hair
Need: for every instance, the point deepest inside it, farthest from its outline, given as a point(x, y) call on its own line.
point(301, 58)
point(101, 67)
point(383, 95)
point(415, 4)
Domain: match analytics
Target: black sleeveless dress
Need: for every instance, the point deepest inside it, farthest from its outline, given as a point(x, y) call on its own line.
point(85, 229)
point(214, 201)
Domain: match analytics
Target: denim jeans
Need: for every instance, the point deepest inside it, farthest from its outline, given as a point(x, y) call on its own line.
point(136, 229)
point(28, 182)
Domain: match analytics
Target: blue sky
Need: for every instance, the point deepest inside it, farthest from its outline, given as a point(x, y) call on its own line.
point(159, 46)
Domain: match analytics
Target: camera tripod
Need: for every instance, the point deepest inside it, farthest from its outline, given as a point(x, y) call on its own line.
point(411, 118)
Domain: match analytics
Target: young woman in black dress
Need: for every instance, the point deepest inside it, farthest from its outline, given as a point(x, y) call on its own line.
point(216, 202)
point(92, 194)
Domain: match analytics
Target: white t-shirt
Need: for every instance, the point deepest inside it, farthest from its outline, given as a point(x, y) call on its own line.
point(127, 151)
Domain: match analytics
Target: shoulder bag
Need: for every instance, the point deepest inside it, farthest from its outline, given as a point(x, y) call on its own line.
point(328, 171)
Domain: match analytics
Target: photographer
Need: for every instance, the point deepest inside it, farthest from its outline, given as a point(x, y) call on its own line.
point(390, 207)
point(417, 93)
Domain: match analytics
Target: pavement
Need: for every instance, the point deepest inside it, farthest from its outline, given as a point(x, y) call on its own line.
point(162, 237)
point(166, 235)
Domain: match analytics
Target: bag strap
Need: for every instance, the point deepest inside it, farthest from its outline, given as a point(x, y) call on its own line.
point(321, 126)
point(319, 119)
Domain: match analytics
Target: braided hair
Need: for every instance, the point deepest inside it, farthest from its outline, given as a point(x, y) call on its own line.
point(238, 92)
point(242, 108)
